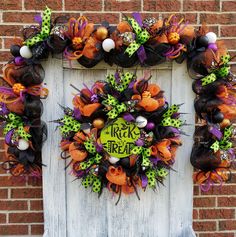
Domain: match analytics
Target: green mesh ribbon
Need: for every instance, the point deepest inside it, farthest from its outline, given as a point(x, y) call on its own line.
point(173, 109)
point(69, 125)
point(166, 122)
point(224, 143)
point(225, 59)
point(208, 79)
point(142, 36)
point(145, 152)
point(45, 29)
point(125, 79)
point(117, 108)
point(91, 161)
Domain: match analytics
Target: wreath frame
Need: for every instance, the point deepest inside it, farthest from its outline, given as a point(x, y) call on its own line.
point(209, 173)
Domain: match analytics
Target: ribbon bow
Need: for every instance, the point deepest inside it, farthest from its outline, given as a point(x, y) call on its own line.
point(145, 152)
point(90, 147)
point(224, 143)
point(142, 36)
point(69, 125)
point(117, 108)
point(45, 29)
point(120, 81)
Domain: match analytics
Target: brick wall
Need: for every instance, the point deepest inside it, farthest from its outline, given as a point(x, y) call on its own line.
point(21, 212)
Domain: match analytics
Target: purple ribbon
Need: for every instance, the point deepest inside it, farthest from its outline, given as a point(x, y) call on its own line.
point(144, 180)
point(216, 132)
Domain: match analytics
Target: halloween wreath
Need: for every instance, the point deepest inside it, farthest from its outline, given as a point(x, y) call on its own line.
point(121, 134)
point(134, 41)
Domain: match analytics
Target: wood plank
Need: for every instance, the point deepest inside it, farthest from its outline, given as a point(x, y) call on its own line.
point(150, 215)
point(181, 184)
point(54, 194)
point(86, 213)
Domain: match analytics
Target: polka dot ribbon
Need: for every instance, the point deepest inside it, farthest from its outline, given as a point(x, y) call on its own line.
point(90, 147)
point(45, 29)
point(151, 175)
point(92, 180)
point(15, 122)
point(69, 124)
point(117, 108)
point(124, 80)
point(173, 109)
point(208, 79)
point(145, 152)
point(168, 121)
point(142, 36)
point(224, 143)
point(93, 160)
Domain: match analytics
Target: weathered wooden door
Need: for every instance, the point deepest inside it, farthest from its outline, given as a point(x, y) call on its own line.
point(72, 211)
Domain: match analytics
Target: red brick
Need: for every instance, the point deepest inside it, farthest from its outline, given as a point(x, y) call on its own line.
point(190, 17)
point(26, 193)
point(5, 56)
point(7, 181)
point(37, 229)
point(195, 214)
point(162, 6)
point(10, 5)
point(26, 217)
point(22, 17)
point(214, 234)
point(40, 5)
point(224, 190)
point(196, 189)
point(10, 41)
point(226, 201)
point(213, 5)
point(230, 44)
point(204, 202)
point(3, 218)
point(10, 30)
point(116, 5)
point(228, 6)
point(83, 5)
point(36, 205)
point(112, 18)
point(227, 31)
point(227, 225)
point(13, 230)
point(36, 182)
point(214, 18)
point(216, 214)
point(13, 205)
point(204, 225)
